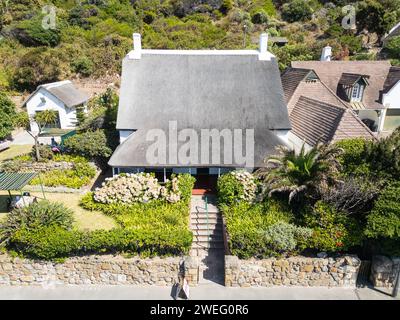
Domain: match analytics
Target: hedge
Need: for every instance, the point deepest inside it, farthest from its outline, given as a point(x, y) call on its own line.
point(54, 242)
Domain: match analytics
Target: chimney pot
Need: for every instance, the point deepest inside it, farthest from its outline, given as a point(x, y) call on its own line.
point(326, 54)
point(263, 49)
point(137, 47)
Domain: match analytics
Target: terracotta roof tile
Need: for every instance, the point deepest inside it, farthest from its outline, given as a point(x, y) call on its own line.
point(330, 72)
point(315, 121)
point(392, 78)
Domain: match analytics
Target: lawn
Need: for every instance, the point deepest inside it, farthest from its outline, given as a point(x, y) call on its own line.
point(84, 219)
point(14, 151)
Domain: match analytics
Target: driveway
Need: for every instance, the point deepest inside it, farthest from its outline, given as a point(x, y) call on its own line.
point(24, 138)
point(201, 292)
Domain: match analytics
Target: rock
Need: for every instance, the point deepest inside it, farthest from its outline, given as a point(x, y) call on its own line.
point(322, 255)
point(308, 268)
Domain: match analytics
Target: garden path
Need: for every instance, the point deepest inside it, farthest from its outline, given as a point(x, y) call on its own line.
point(208, 245)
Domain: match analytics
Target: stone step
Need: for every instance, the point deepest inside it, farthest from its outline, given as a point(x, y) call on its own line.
point(200, 208)
point(206, 238)
point(203, 221)
point(205, 226)
point(205, 232)
point(205, 213)
point(210, 245)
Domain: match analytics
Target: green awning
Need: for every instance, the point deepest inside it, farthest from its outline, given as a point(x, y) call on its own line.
point(15, 181)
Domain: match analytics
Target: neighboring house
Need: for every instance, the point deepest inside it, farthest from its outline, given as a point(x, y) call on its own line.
point(369, 88)
point(394, 32)
point(391, 99)
point(317, 114)
point(201, 90)
point(62, 97)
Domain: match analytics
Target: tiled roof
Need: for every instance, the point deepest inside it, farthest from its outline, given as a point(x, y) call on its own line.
point(392, 78)
point(349, 79)
point(315, 121)
point(291, 79)
point(330, 73)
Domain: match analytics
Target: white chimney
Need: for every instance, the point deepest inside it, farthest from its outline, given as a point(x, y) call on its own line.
point(137, 47)
point(263, 49)
point(326, 54)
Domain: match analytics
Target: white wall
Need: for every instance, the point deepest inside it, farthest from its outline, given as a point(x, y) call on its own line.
point(283, 135)
point(296, 143)
point(391, 99)
point(68, 118)
point(124, 134)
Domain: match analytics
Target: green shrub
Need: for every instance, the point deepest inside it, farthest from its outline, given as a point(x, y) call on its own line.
point(297, 10)
point(40, 65)
point(259, 17)
point(226, 6)
point(333, 230)
point(31, 33)
point(246, 224)
point(90, 144)
point(384, 156)
point(236, 186)
point(156, 228)
point(81, 175)
point(54, 242)
point(37, 215)
point(83, 66)
point(384, 219)
point(7, 114)
point(185, 185)
point(354, 158)
point(45, 152)
point(283, 237)
point(48, 243)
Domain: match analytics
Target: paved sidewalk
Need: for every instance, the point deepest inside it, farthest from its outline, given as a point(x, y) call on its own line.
point(202, 292)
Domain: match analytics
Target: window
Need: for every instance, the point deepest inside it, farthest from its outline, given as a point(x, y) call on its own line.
point(357, 92)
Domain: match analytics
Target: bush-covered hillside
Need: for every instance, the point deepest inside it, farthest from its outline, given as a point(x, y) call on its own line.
point(92, 36)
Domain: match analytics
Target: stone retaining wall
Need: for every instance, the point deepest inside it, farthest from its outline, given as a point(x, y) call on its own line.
point(32, 166)
point(383, 271)
point(106, 270)
point(293, 271)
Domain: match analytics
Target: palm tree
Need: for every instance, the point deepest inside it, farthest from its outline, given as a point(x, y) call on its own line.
point(301, 172)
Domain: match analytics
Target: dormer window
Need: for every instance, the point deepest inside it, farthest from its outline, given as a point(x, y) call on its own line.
point(357, 94)
point(352, 86)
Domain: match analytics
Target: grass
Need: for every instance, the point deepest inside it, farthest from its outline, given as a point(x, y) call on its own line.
point(84, 219)
point(15, 151)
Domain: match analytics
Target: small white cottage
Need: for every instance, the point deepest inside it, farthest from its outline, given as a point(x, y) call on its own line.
point(62, 97)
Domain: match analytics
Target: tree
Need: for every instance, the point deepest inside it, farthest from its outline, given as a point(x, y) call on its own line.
point(41, 65)
point(7, 116)
point(90, 144)
point(297, 10)
point(297, 173)
point(392, 47)
point(384, 156)
point(42, 119)
point(384, 219)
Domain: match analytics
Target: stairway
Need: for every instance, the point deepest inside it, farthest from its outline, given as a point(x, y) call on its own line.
point(208, 242)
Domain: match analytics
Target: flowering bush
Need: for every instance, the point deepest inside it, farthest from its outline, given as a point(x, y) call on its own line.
point(235, 186)
point(141, 187)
